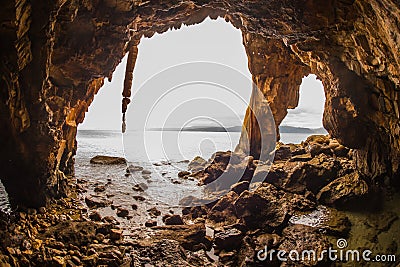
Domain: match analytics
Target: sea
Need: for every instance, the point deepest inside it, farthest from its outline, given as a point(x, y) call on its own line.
point(166, 152)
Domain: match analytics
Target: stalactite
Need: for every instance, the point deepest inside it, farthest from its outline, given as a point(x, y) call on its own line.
point(126, 93)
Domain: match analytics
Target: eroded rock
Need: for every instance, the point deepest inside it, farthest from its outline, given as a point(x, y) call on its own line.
point(107, 160)
point(343, 190)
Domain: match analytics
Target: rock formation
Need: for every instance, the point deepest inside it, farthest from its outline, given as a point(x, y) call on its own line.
point(56, 54)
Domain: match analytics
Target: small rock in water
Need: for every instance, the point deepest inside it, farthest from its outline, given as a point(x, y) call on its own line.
point(133, 168)
point(140, 187)
point(100, 188)
point(95, 202)
point(134, 206)
point(138, 198)
point(150, 223)
point(121, 212)
point(146, 172)
point(154, 212)
point(107, 160)
point(183, 173)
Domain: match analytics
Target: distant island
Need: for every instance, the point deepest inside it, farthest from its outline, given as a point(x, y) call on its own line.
point(292, 129)
point(282, 129)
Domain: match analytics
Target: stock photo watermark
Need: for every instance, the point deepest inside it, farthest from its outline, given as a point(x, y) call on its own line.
point(341, 254)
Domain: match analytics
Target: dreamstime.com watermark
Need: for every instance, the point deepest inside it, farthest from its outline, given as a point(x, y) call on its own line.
point(341, 254)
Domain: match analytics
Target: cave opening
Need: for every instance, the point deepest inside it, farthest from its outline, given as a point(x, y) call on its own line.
point(216, 128)
point(306, 118)
point(189, 119)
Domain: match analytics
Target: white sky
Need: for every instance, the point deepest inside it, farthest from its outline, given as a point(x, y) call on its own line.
point(214, 41)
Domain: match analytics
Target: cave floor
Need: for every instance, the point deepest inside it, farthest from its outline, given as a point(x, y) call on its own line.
point(105, 223)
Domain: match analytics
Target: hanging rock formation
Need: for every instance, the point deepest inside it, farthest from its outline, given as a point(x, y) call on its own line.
point(56, 54)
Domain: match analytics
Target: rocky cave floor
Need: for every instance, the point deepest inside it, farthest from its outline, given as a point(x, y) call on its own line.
point(312, 196)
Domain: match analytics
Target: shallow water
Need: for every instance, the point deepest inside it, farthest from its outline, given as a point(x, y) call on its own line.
point(186, 145)
point(165, 154)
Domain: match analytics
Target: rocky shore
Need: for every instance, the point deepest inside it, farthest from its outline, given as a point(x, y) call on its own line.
point(310, 197)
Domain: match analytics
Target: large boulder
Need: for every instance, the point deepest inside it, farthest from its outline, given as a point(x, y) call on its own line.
point(228, 238)
point(343, 190)
point(192, 237)
point(264, 208)
point(301, 239)
point(223, 212)
point(107, 160)
point(312, 175)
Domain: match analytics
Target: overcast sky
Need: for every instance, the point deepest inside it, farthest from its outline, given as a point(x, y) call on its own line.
point(196, 103)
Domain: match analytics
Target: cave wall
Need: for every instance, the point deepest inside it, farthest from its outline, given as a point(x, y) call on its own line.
point(56, 54)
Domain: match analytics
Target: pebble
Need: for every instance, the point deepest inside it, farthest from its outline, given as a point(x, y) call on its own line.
point(150, 223)
point(154, 212)
point(121, 212)
point(138, 198)
point(115, 234)
point(95, 216)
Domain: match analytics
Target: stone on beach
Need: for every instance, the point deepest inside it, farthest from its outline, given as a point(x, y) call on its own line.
point(107, 160)
point(134, 168)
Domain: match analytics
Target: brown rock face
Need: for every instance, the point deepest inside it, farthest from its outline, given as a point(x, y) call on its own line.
point(56, 54)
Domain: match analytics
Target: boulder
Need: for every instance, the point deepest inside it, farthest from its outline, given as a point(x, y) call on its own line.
point(123, 213)
point(283, 152)
point(95, 216)
point(228, 238)
point(318, 139)
point(150, 223)
point(154, 212)
point(146, 172)
point(134, 168)
point(97, 202)
point(238, 188)
point(312, 175)
point(172, 219)
point(116, 234)
point(197, 164)
point(71, 232)
point(107, 160)
point(343, 190)
point(223, 212)
point(264, 208)
point(302, 238)
point(192, 237)
point(341, 151)
point(183, 174)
